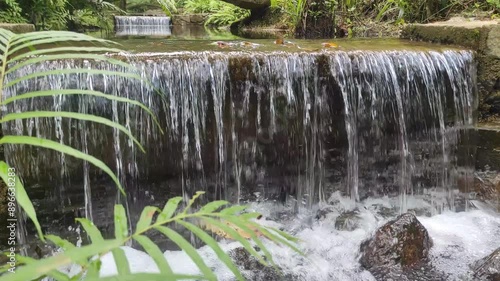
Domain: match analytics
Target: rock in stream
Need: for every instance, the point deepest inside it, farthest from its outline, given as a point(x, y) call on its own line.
point(399, 250)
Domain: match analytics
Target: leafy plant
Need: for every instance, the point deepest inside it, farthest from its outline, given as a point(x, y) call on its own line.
point(220, 13)
point(226, 15)
point(10, 12)
point(168, 6)
point(221, 219)
point(293, 8)
point(22, 50)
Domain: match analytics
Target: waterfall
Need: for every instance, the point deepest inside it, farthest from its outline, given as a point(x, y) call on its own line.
point(142, 25)
point(293, 127)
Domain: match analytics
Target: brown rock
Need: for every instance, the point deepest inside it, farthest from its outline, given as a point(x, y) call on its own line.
point(488, 268)
point(403, 241)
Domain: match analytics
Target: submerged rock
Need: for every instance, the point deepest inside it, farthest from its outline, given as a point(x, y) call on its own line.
point(348, 220)
point(252, 269)
point(399, 251)
point(488, 268)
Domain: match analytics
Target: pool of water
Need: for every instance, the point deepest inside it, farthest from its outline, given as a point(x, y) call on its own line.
point(199, 38)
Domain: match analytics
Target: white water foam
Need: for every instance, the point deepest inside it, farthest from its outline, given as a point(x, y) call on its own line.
point(459, 239)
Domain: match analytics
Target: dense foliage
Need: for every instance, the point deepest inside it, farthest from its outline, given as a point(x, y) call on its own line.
point(88, 14)
point(350, 14)
point(59, 14)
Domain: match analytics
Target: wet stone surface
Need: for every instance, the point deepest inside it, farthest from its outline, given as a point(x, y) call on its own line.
point(252, 269)
point(399, 251)
point(348, 220)
point(488, 268)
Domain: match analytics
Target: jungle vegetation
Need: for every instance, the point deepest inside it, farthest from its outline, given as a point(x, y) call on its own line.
point(80, 15)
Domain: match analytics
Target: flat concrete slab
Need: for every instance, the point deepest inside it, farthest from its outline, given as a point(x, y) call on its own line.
point(18, 27)
point(464, 23)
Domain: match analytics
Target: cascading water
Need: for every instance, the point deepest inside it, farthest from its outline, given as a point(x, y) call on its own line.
point(142, 25)
point(285, 126)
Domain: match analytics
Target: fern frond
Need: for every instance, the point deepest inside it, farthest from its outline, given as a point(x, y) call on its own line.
point(238, 227)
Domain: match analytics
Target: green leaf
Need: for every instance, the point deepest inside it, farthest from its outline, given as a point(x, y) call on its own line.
point(121, 262)
point(243, 225)
point(192, 200)
point(46, 93)
point(146, 218)
point(215, 247)
point(121, 226)
point(249, 216)
point(233, 210)
point(44, 266)
point(149, 277)
point(73, 115)
point(236, 236)
point(61, 243)
point(71, 71)
point(64, 50)
point(63, 149)
point(189, 249)
point(212, 206)
point(279, 238)
point(82, 56)
point(152, 249)
point(57, 275)
point(22, 197)
point(93, 269)
point(92, 231)
point(169, 209)
point(21, 43)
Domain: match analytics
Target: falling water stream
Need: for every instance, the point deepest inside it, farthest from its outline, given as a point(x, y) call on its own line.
point(288, 127)
point(142, 25)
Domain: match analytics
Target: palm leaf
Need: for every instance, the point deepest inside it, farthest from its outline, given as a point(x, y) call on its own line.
point(215, 247)
point(73, 115)
point(50, 144)
point(152, 249)
point(21, 196)
point(189, 249)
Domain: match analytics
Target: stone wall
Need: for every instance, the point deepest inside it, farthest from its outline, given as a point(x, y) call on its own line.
point(481, 36)
point(189, 19)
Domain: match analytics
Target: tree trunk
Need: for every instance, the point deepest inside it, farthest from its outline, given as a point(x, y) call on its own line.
point(123, 5)
point(317, 20)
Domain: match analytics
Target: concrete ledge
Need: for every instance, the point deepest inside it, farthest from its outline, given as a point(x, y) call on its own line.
point(18, 27)
point(481, 36)
point(189, 19)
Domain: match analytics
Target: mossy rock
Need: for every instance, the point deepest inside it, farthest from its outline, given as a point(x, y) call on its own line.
point(403, 241)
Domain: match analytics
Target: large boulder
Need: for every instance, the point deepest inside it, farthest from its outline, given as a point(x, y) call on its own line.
point(399, 251)
point(403, 241)
point(488, 268)
point(250, 4)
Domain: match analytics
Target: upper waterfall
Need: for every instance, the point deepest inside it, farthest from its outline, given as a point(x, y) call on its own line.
point(142, 25)
point(295, 126)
